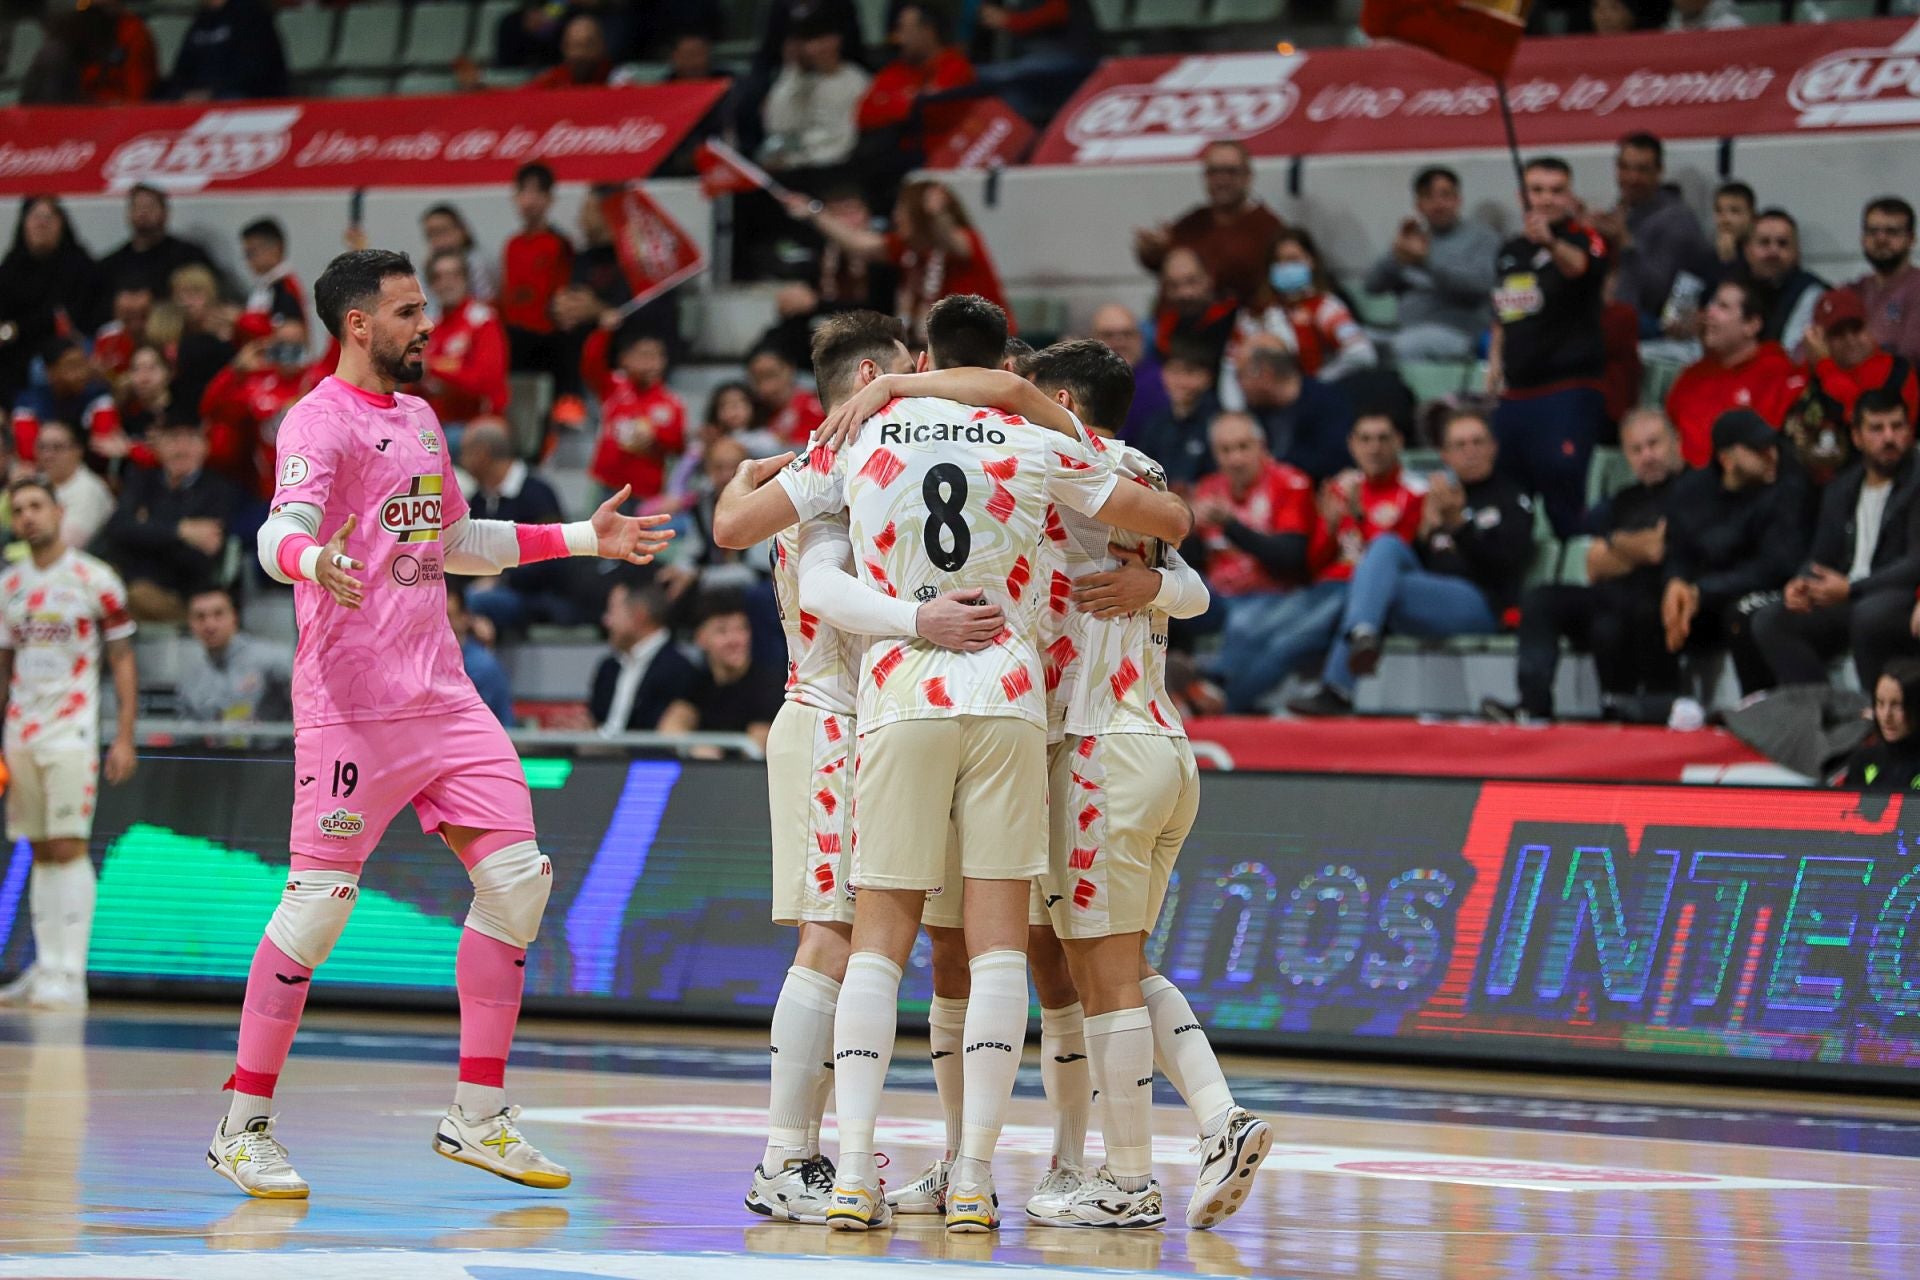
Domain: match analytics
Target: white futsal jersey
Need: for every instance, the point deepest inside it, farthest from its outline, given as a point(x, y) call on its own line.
point(820, 657)
point(944, 497)
point(54, 621)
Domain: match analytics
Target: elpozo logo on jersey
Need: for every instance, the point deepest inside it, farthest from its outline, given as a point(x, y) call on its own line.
point(1199, 100)
point(1861, 86)
point(414, 516)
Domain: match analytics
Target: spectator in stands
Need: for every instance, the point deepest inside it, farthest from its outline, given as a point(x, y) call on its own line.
point(1299, 306)
point(1623, 376)
point(1306, 420)
point(445, 229)
point(232, 677)
point(488, 676)
point(844, 282)
point(72, 393)
point(145, 399)
point(1190, 306)
point(505, 488)
point(1787, 291)
point(108, 53)
point(583, 57)
point(1733, 217)
point(646, 673)
point(536, 265)
point(208, 341)
point(1441, 269)
point(1891, 291)
point(1615, 614)
point(790, 411)
point(703, 563)
point(1549, 350)
point(1735, 534)
point(1118, 329)
point(731, 693)
point(897, 120)
point(732, 413)
point(1233, 232)
point(1053, 45)
point(1856, 592)
point(1176, 437)
point(114, 341)
point(267, 375)
point(1253, 530)
point(932, 245)
point(231, 50)
point(85, 500)
point(642, 423)
point(52, 77)
point(1704, 15)
point(1613, 17)
point(1461, 576)
point(466, 358)
point(1735, 370)
point(809, 111)
point(275, 290)
point(48, 286)
point(1655, 235)
point(528, 36)
point(169, 533)
point(1846, 363)
point(1889, 760)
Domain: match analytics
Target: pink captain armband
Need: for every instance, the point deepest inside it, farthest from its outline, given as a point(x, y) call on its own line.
point(552, 541)
point(294, 558)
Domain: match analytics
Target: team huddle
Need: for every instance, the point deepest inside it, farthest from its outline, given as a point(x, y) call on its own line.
point(975, 583)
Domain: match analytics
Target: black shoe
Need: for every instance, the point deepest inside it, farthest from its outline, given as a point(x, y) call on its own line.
point(1363, 651)
point(1509, 713)
point(1325, 700)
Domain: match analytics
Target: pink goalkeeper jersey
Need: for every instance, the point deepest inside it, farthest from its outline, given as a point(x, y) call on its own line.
point(380, 458)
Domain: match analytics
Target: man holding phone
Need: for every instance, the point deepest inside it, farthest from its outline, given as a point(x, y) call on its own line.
point(1441, 269)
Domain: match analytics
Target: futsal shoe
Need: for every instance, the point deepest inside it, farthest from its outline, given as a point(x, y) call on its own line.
point(853, 1206)
point(19, 992)
point(494, 1143)
point(1227, 1162)
point(1055, 1191)
point(801, 1191)
point(926, 1194)
point(254, 1161)
point(58, 992)
point(1099, 1201)
point(973, 1208)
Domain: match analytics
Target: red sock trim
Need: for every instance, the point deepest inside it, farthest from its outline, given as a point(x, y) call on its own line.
point(489, 1073)
point(258, 1084)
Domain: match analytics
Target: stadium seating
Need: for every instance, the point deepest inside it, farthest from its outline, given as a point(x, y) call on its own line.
point(306, 34)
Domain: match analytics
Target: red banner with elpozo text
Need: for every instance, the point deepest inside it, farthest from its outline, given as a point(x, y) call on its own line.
point(589, 135)
point(1802, 79)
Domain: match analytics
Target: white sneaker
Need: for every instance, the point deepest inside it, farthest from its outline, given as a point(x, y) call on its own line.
point(926, 1193)
point(494, 1143)
point(854, 1206)
point(55, 991)
point(1099, 1201)
point(254, 1161)
point(973, 1208)
point(801, 1191)
point(1227, 1162)
point(1056, 1190)
point(20, 990)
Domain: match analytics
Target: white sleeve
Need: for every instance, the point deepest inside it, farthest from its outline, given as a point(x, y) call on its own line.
point(480, 547)
point(830, 592)
point(290, 519)
point(1183, 592)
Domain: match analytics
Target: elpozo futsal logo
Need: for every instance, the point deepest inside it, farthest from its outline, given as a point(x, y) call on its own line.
point(414, 516)
point(1853, 87)
point(221, 145)
point(1197, 101)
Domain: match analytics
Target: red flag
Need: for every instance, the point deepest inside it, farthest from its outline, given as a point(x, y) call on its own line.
point(655, 251)
point(724, 171)
point(1482, 34)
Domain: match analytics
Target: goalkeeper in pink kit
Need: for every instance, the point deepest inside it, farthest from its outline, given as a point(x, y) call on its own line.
point(367, 521)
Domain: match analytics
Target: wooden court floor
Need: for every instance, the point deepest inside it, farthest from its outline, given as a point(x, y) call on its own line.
point(1376, 1172)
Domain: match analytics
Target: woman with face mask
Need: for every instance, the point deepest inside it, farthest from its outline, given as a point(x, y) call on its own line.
point(1300, 305)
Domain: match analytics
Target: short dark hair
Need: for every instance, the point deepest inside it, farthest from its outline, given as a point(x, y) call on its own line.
point(929, 14)
point(1187, 348)
point(1737, 188)
point(133, 284)
point(1552, 164)
point(1427, 176)
point(1878, 400)
point(626, 340)
point(718, 604)
point(35, 481)
point(265, 229)
point(1644, 141)
point(64, 427)
point(144, 189)
point(215, 589)
point(842, 341)
point(536, 173)
point(1100, 381)
point(1750, 308)
point(352, 281)
point(965, 331)
point(443, 255)
point(769, 349)
point(1463, 415)
point(1281, 364)
point(1890, 204)
point(444, 210)
point(1018, 356)
point(1776, 212)
point(57, 347)
point(645, 595)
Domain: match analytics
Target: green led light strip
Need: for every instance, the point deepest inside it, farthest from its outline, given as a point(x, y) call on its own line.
point(547, 775)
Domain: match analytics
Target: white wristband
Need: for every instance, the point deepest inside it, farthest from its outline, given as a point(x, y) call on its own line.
point(310, 564)
point(581, 539)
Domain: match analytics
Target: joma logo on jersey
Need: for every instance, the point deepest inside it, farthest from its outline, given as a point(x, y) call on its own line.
point(342, 825)
point(928, 432)
point(414, 516)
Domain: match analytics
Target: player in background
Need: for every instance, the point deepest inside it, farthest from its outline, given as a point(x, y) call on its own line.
point(809, 783)
point(943, 496)
point(384, 715)
point(56, 608)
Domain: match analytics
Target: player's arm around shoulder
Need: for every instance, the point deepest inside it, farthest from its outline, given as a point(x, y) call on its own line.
point(767, 494)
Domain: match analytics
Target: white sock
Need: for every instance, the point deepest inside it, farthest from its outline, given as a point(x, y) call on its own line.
point(996, 1033)
point(802, 1043)
point(863, 1031)
point(1120, 1047)
point(60, 898)
point(946, 1025)
point(479, 1100)
point(1186, 1055)
point(822, 1089)
point(244, 1108)
point(1069, 1084)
